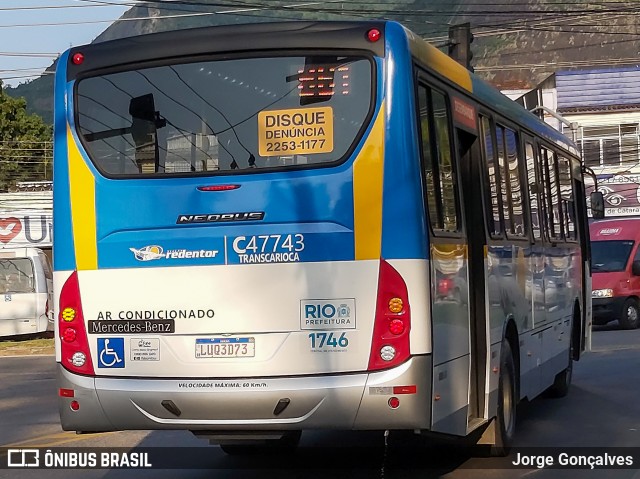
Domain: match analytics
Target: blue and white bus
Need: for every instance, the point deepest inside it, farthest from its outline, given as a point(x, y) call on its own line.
point(271, 228)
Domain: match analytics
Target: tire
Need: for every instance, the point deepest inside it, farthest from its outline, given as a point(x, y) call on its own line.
point(285, 445)
point(630, 315)
point(562, 382)
point(506, 415)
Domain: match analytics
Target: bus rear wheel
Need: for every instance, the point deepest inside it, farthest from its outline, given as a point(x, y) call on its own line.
point(630, 315)
point(562, 382)
point(506, 416)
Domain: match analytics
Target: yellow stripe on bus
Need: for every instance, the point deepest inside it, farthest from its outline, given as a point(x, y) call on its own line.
point(449, 68)
point(367, 193)
point(444, 65)
point(83, 208)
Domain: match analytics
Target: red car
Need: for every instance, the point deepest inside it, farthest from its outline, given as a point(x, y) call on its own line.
point(615, 262)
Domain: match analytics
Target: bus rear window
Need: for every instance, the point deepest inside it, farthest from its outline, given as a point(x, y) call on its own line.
point(224, 115)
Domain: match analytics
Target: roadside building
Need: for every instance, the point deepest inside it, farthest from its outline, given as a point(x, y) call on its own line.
point(26, 218)
point(600, 110)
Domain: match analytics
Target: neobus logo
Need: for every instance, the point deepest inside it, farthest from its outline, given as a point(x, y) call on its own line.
point(219, 218)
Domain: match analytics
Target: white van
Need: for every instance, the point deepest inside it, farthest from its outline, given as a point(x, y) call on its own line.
point(26, 292)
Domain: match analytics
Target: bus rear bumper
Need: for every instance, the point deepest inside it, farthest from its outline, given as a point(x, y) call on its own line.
point(345, 401)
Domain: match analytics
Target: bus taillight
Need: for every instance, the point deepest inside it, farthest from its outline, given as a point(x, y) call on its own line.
point(74, 343)
point(396, 326)
point(69, 335)
point(390, 344)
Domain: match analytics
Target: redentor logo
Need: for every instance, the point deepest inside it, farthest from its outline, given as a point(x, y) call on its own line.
point(149, 253)
point(9, 228)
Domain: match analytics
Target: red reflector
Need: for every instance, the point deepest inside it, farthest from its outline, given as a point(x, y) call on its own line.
point(396, 326)
point(69, 335)
point(75, 405)
point(77, 58)
point(66, 393)
point(445, 286)
point(373, 35)
point(394, 402)
point(405, 389)
point(218, 187)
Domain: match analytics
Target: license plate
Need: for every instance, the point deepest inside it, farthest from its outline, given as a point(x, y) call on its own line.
point(225, 348)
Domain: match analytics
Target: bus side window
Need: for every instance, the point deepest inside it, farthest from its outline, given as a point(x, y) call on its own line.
point(566, 198)
point(504, 183)
point(533, 191)
point(555, 196)
point(437, 158)
point(546, 192)
point(427, 159)
point(512, 176)
point(448, 190)
point(489, 148)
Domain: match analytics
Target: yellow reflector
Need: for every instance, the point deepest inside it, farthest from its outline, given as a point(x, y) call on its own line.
point(68, 314)
point(395, 305)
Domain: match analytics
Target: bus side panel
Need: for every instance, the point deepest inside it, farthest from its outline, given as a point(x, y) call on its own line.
point(450, 319)
point(63, 256)
point(415, 273)
point(403, 220)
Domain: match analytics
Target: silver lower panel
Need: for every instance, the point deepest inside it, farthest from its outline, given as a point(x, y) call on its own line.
point(353, 401)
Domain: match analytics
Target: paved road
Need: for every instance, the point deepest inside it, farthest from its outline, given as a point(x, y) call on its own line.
point(602, 410)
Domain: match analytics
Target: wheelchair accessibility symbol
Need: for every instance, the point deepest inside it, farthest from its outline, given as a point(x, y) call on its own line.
point(111, 352)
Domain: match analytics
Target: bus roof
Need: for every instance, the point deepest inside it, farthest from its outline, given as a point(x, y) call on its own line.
point(226, 38)
point(297, 35)
point(484, 93)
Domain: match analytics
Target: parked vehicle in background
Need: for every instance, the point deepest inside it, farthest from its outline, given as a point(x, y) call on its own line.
point(26, 289)
point(616, 271)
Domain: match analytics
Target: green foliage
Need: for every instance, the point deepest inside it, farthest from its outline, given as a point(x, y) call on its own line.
point(39, 96)
point(25, 143)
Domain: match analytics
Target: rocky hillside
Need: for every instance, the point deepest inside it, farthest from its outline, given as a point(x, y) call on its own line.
point(517, 43)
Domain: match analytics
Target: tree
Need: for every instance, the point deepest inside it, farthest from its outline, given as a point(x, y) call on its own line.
point(25, 143)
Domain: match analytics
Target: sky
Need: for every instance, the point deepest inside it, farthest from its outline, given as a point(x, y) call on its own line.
point(31, 35)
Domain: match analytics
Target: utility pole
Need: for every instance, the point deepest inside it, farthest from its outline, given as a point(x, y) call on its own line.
point(460, 39)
